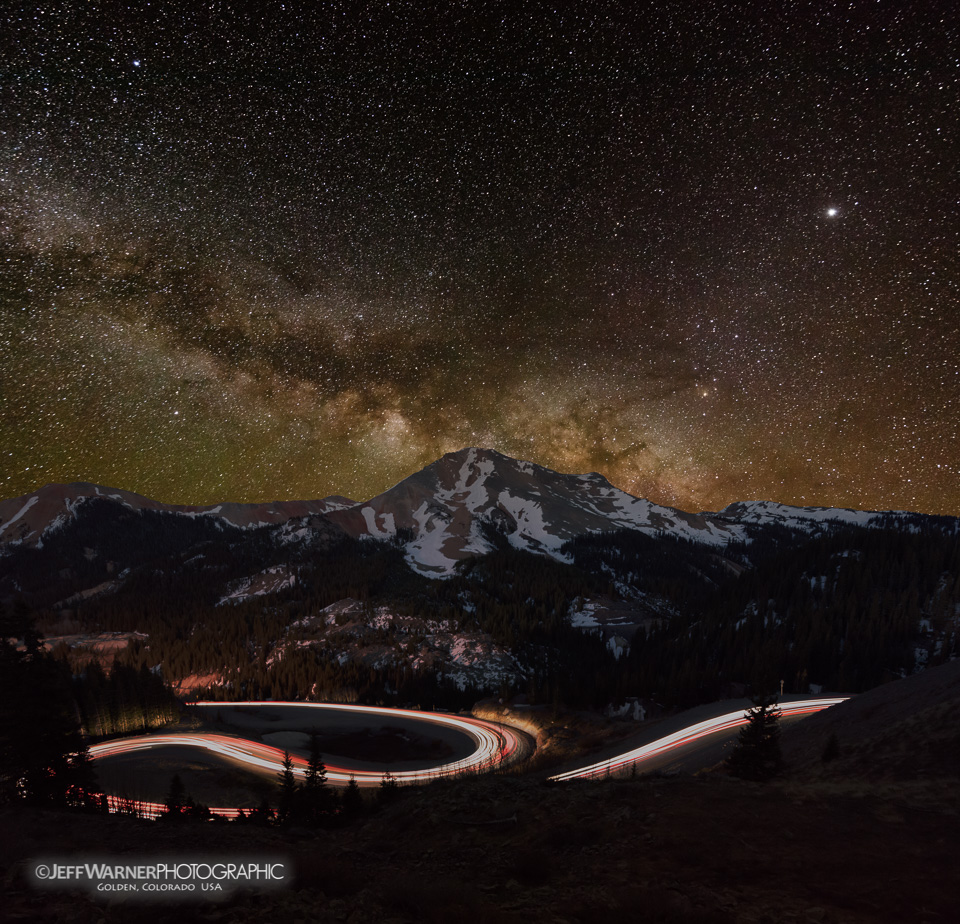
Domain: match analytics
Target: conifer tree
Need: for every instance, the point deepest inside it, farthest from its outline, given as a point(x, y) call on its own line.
point(40, 737)
point(263, 814)
point(389, 788)
point(288, 789)
point(756, 755)
point(352, 799)
point(316, 769)
point(315, 793)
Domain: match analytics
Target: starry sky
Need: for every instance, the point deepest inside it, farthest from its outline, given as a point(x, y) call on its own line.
point(277, 250)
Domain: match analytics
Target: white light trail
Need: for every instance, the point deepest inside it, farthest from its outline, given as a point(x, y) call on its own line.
point(494, 744)
point(688, 735)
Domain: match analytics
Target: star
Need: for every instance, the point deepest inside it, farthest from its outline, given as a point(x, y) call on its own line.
point(361, 248)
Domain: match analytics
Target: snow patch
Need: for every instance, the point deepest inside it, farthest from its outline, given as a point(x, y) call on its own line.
point(618, 646)
point(584, 618)
point(269, 581)
point(387, 531)
point(803, 517)
point(22, 511)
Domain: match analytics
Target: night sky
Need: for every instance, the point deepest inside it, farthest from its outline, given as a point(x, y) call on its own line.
point(709, 250)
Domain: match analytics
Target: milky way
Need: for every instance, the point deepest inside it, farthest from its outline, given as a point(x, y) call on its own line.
point(713, 255)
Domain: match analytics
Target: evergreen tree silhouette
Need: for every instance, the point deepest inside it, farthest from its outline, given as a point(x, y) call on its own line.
point(756, 755)
point(316, 796)
point(288, 789)
point(389, 788)
point(352, 799)
point(41, 747)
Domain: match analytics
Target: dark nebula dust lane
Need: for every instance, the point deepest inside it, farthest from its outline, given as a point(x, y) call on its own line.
point(251, 251)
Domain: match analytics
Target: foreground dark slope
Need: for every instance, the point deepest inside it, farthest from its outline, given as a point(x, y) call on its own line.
point(510, 849)
point(829, 843)
point(905, 733)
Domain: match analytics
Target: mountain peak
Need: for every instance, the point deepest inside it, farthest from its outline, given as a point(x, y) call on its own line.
point(453, 509)
point(485, 456)
point(450, 507)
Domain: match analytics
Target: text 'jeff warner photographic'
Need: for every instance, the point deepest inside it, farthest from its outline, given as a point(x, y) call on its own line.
point(162, 877)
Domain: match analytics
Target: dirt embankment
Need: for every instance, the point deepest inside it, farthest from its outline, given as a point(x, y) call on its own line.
point(902, 737)
point(855, 840)
point(510, 849)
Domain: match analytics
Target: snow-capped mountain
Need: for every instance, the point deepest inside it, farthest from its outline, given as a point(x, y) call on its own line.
point(29, 518)
point(457, 507)
point(89, 557)
point(446, 511)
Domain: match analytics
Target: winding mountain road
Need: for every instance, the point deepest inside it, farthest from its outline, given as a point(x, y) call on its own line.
point(478, 746)
point(483, 745)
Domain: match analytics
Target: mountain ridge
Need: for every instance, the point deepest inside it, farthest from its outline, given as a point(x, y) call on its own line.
point(29, 516)
point(461, 505)
point(590, 592)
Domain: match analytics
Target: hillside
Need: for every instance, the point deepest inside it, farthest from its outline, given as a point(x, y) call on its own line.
point(483, 574)
point(508, 849)
point(903, 733)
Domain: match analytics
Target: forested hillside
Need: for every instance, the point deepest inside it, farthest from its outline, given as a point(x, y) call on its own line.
point(840, 607)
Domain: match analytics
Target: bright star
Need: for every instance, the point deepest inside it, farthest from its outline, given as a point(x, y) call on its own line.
point(832, 212)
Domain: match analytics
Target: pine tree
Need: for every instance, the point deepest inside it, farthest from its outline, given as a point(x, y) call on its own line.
point(352, 799)
point(756, 755)
point(316, 769)
point(315, 793)
point(193, 809)
point(263, 814)
point(288, 789)
point(40, 737)
point(389, 788)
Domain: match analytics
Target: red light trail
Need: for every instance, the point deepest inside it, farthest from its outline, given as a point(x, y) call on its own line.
point(494, 744)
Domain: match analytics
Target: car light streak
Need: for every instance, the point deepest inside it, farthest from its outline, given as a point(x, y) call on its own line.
point(687, 736)
point(121, 805)
point(494, 744)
